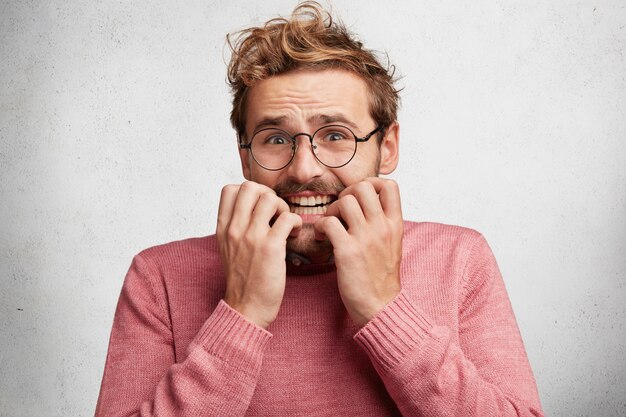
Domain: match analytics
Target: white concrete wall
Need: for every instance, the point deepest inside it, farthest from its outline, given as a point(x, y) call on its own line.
point(114, 136)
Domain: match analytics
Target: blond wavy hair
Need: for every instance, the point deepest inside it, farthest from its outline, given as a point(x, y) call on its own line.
point(309, 39)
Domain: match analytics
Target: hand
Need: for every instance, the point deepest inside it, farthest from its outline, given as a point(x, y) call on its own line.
point(253, 249)
point(368, 249)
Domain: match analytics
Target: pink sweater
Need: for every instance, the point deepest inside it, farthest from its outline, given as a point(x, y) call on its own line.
point(447, 345)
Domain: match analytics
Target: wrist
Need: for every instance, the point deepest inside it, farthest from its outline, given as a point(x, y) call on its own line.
point(260, 318)
point(367, 311)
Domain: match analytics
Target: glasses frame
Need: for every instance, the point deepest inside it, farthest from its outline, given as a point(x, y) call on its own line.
point(294, 148)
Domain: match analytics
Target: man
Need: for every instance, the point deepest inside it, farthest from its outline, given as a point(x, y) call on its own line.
point(315, 297)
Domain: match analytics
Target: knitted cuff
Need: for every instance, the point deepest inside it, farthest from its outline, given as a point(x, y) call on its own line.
point(394, 332)
point(231, 337)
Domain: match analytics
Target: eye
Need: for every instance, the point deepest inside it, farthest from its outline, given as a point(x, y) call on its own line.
point(276, 139)
point(335, 135)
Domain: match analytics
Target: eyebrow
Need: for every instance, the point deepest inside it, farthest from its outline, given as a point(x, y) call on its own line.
point(323, 119)
point(319, 119)
point(269, 122)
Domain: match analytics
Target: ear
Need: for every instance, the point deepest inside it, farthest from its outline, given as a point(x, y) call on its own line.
point(389, 149)
point(244, 156)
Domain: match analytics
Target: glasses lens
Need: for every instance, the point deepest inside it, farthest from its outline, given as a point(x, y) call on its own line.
point(272, 148)
point(334, 145)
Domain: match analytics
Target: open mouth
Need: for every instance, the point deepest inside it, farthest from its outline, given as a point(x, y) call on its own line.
point(309, 204)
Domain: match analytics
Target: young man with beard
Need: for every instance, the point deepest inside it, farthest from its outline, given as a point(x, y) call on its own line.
point(315, 297)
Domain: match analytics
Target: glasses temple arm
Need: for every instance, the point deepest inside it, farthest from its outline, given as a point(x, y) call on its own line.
point(380, 128)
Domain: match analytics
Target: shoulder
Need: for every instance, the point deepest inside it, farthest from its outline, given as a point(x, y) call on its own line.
point(178, 283)
point(453, 248)
point(181, 257)
point(424, 235)
point(191, 247)
point(445, 245)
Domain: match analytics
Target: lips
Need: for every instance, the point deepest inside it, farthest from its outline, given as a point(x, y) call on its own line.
point(311, 204)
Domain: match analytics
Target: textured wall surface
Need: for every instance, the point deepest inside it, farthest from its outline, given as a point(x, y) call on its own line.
point(114, 136)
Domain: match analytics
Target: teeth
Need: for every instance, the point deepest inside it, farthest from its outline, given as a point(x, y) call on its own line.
point(310, 201)
point(309, 210)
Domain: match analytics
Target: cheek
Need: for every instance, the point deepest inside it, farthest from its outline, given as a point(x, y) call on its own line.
point(362, 166)
point(348, 175)
point(263, 176)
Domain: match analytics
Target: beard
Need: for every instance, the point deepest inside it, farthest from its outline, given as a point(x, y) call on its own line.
point(305, 244)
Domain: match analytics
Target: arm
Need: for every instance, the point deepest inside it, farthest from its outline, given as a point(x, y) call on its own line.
point(141, 377)
point(220, 373)
point(428, 373)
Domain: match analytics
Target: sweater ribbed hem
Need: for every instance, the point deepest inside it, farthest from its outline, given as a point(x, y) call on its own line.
point(395, 331)
point(229, 336)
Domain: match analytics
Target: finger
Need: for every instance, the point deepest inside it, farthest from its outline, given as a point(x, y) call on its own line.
point(228, 197)
point(247, 198)
point(367, 197)
point(332, 228)
point(347, 209)
point(389, 193)
point(317, 228)
point(287, 224)
point(389, 196)
point(268, 207)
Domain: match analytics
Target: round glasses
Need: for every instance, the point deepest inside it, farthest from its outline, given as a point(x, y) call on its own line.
point(332, 145)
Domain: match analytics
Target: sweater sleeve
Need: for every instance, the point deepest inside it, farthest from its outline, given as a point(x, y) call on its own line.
point(141, 376)
point(482, 372)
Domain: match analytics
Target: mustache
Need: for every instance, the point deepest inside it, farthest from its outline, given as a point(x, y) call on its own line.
point(316, 186)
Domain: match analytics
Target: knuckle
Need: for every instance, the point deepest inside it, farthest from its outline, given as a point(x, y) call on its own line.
point(286, 216)
point(229, 189)
point(231, 234)
point(248, 186)
point(385, 234)
point(391, 184)
point(248, 239)
point(266, 198)
point(365, 186)
point(252, 186)
point(348, 200)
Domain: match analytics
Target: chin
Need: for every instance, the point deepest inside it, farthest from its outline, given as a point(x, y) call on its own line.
point(306, 245)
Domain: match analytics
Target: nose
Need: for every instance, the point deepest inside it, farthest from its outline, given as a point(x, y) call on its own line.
point(304, 165)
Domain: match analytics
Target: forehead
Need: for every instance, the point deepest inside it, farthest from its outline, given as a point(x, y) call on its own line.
point(307, 98)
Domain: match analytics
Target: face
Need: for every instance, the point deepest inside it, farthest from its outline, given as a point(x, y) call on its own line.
point(303, 101)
